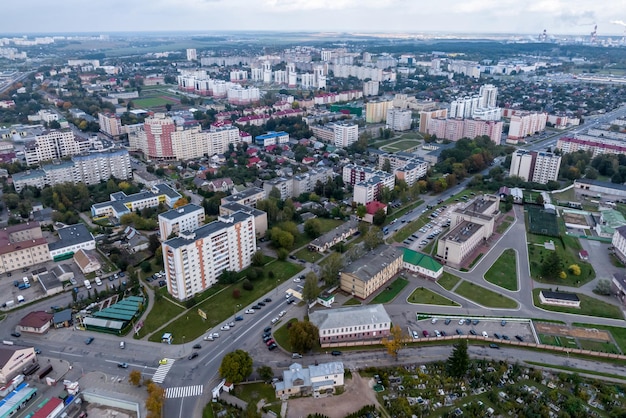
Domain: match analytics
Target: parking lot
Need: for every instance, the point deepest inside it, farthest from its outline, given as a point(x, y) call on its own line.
point(457, 325)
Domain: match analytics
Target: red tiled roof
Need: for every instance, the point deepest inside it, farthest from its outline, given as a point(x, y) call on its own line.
point(35, 319)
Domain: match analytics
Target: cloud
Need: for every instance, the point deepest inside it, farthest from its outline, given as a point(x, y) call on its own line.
point(618, 22)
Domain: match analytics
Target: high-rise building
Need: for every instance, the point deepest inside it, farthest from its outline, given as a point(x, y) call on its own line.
point(194, 260)
point(427, 115)
point(526, 124)
point(184, 218)
point(192, 54)
point(345, 134)
point(110, 124)
point(488, 95)
point(376, 111)
point(370, 88)
point(399, 119)
point(54, 144)
point(538, 167)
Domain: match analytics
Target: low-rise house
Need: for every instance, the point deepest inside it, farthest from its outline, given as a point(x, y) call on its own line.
point(71, 239)
point(36, 322)
point(314, 380)
point(62, 319)
point(334, 237)
point(559, 299)
point(13, 359)
point(86, 261)
point(352, 323)
point(421, 264)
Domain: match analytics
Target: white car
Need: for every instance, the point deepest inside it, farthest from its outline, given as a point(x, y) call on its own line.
point(250, 311)
point(415, 335)
point(433, 321)
point(224, 328)
point(296, 280)
point(437, 333)
point(485, 334)
point(461, 321)
point(282, 313)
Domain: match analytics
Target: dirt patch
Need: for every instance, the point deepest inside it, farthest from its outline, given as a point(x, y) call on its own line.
point(565, 331)
point(574, 219)
point(358, 393)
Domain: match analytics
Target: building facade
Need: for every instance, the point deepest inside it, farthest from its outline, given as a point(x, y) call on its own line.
point(194, 260)
point(376, 111)
point(121, 203)
point(345, 134)
point(363, 277)
point(22, 246)
point(538, 167)
point(184, 218)
point(110, 124)
point(354, 323)
point(399, 119)
point(54, 144)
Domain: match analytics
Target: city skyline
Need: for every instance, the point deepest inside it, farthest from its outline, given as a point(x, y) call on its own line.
point(366, 16)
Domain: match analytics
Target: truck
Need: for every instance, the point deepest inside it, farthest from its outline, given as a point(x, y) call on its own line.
point(87, 284)
point(23, 286)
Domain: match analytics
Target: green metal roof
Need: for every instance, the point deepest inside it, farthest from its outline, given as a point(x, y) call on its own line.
point(421, 260)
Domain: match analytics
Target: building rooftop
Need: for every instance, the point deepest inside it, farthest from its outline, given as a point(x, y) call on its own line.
point(560, 295)
point(163, 188)
point(238, 207)
point(244, 194)
point(181, 211)
point(330, 236)
point(372, 263)
point(204, 231)
point(462, 232)
point(28, 174)
point(71, 235)
point(350, 316)
point(599, 183)
point(35, 319)
point(421, 260)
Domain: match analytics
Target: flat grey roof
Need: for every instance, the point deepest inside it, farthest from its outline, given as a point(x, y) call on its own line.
point(71, 235)
point(368, 266)
point(238, 207)
point(181, 211)
point(208, 229)
point(350, 316)
point(244, 194)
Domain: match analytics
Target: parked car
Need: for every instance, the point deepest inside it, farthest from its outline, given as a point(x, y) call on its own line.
point(89, 340)
point(267, 329)
point(270, 342)
point(267, 300)
point(461, 321)
point(197, 346)
point(282, 313)
point(296, 355)
point(224, 328)
point(519, 338)
point(485, 334)
point(162, 283)
point(425, 333)
point(472, 332)
point(16, 334)
point(415, 335)
point(272, 347)
point(503, 323)
point(261, 303)
point(492, 345)
point(459, 332)
point(122, 365)
point(437, 333)
point(335, 353)
point(249, 311)
point(239, 318)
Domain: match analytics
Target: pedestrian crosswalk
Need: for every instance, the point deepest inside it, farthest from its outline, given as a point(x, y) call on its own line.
point(161, 372)
point(183, 391)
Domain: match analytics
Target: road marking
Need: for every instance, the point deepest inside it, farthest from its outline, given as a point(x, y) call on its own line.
point(66, 354)
point(183, 391)
point(161, 372)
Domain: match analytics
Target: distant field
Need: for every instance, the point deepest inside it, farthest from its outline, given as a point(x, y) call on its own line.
point(400, 145)
point(154, 101)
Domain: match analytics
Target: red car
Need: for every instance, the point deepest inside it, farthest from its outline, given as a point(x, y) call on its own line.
point(425, 333)
point(269, 342)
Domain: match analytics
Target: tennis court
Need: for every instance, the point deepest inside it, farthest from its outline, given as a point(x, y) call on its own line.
point(542, 222)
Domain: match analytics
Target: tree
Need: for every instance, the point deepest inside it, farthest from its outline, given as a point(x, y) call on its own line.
point(331, 269)
point(258, 259)
point(603, 287)
point(134, 377)
point(310, 290)
point(574, 269)
point(236, 366)
point(282, 254)
point(265, 373)
point(361, 211)
point(551, 267)
point(227, 277)
point(303, 336)
point(379, 217)
point(313, 228)
point(393, 343)
point(458, 362)
point(155, 400)
point(539, 199)
point(373, 238)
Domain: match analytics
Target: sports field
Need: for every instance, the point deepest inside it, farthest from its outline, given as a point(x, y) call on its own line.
point(155, 101)
point(401, 145)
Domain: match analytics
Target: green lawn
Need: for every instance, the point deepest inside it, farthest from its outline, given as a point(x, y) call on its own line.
point(221, 305)
point(548, 340)
point(391, 291)
point(400, 145)
point(567, 248)
point(428, 297)
point(352, 301)
point(448, 280)
point(254, 392)
point(484, 297)
point(600, 346)
point(310, 256)
point(152, 102)
point(326, 225)
point(501, 229)
point(588, 306)
point(162, 311)
point(503, 273)
point(281, 335)
point(618, 333)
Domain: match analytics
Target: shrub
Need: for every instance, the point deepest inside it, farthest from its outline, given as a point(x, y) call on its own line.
point(236, 293)
point(247, 285)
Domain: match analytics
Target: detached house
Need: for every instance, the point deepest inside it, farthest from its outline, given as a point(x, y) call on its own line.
point(314, 380)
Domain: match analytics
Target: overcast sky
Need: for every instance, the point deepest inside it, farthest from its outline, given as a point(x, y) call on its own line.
point(442, 16)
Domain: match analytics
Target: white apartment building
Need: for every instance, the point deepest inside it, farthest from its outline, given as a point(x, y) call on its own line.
point(488, 95)
point(89, 168)
point(184, 218)
point(619, 243)
point(238, 75)
point(110, 124)
point(523, 125)
point(369, 190)
point(192, 55)
point(284, 186)
point(399, 119)
point(597, 146)
point(412, 171)
point(376, 111)
point(538, 167)
point(345, 134)
point(370, 88)
point(238, 95)
point(54, 144)
point(427, 115)
point(464, 107)
point(194, 260)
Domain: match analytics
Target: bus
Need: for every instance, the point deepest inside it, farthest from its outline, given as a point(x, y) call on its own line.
point(16, 400)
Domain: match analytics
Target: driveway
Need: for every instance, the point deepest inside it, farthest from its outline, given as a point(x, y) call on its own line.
point(358, 393)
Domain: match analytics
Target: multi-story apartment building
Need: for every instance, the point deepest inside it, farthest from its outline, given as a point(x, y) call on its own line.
point(110, 124)
point(324, 133)
point(366, 275)
point(353, 174)
point(121, 203)
point(184, 218)
point(376, 111)
point(427, 115)
point(21, 246)
point(194, 260)
point(304, 183)
point(399, 119)
point(619, 243)
point(54, 144)
point(345, 134)
point(282, 184)
point(525, 124)
point(89, 168)
point(162, 139)
point(248, 197)
point(260, 217)
point(455, 129)
point(488, 95)
point(352, 323)
point(412, 171)
point(240, 96)
point(538, 167)
point(370, 190)
point(192, 55)
point(596, 146)
point(370, 88)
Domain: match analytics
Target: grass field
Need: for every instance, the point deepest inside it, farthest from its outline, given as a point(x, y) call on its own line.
point(618, 333)
point(391, 291)
point(162, 311)
point(400, 145)
point(588, 306)
point(503, 273)
point(153, 102)
point(326, 225)
point(501, 229)
point(281, 335)
point(428, 297)
point(352, 301)
point(220, 306)
point(254, 392)
point(484, 297)
point(600, 346)
point(448, 280)
point(548, 340)
point(310, 256)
